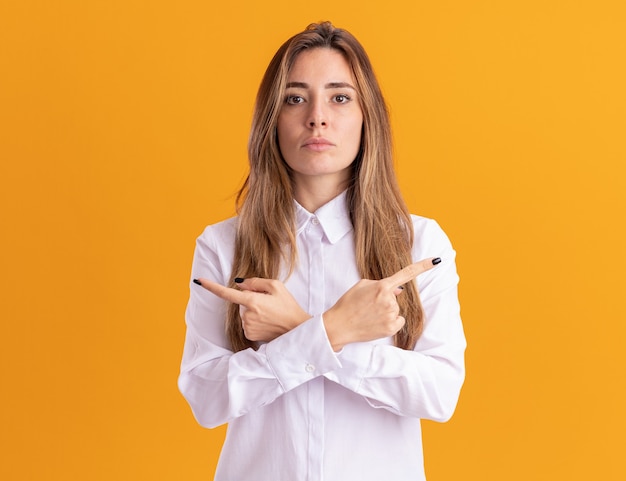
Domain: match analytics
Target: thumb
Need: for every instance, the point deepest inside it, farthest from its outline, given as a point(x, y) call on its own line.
point(398, 290)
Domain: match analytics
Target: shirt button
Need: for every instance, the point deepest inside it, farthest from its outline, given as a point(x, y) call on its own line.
point(309, 368)
point(314, 221)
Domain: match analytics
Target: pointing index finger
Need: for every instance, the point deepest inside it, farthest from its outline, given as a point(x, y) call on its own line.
point(410, 272)
point(227, 293)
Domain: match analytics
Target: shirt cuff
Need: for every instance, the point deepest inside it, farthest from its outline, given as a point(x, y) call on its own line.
point(301, 354)
point(355, 359)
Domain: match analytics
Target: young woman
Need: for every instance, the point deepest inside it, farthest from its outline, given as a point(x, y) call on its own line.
point(305, 329)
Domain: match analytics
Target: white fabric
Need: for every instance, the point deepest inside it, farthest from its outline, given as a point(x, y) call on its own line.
point(298, 411)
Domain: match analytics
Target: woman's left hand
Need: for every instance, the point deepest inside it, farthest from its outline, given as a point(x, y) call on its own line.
point(268, 309)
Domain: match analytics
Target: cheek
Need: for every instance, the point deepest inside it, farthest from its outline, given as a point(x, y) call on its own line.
point(282, 132)
point(357, 133)
point(285, 141)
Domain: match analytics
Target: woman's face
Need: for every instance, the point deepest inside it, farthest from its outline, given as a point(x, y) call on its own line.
point(319, 125)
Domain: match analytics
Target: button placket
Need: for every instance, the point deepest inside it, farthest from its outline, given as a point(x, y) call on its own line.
point(315, 391)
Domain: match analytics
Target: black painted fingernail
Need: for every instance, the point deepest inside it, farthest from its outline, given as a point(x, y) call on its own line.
point(196, 281)
point(436, 260)
point(239, 280)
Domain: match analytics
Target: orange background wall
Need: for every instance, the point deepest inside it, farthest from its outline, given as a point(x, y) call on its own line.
point(123, 129)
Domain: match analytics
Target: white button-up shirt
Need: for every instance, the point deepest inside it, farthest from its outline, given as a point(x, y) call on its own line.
point(297, 410)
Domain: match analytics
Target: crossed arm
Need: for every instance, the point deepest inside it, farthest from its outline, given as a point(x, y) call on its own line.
point(367, 311)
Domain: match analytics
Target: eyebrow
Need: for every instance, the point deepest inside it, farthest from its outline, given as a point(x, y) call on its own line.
point(331, 85)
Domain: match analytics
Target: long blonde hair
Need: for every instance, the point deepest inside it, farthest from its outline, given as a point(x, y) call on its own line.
point(383, 229)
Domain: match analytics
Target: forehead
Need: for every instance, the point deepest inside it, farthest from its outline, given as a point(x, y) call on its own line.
point(320, 63)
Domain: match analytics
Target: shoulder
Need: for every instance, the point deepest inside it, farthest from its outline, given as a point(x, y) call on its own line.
point(214, 252)
point(430, 238)
point(220, 232)
point(431, 241)
point(218, 237)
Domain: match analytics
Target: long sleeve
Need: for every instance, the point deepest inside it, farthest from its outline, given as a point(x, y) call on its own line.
point(296, 409)
point(221, 385)
point(425, 382)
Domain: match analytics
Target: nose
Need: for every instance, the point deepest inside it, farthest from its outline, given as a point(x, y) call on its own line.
point(318, 116)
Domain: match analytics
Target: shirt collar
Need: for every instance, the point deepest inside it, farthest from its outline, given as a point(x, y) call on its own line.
point(333, 217)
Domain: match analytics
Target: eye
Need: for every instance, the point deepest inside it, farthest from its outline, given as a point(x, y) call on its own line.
point(294, 99)
point(341, 98)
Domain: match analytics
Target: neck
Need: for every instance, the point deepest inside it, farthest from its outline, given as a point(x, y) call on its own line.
point(314, 194)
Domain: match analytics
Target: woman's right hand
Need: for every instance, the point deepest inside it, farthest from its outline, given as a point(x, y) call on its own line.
point(268, 309)
point(369, 309)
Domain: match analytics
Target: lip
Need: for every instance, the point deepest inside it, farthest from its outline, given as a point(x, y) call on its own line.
point(317, 144)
